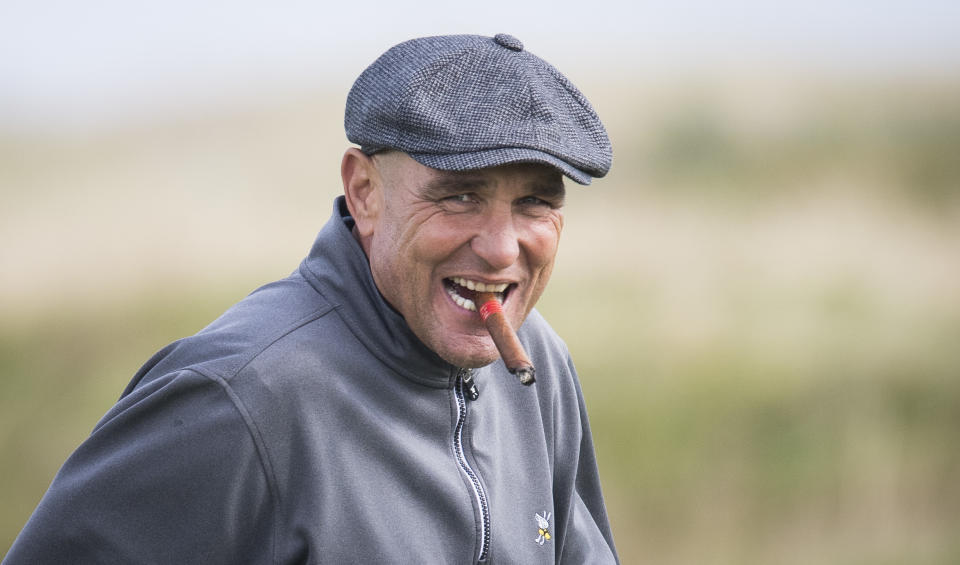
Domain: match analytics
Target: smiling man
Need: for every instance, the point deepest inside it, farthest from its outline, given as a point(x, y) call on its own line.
point(434, 238)
point(356, 411)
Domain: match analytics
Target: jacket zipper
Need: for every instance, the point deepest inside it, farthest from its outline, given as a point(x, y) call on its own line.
point(466, 388)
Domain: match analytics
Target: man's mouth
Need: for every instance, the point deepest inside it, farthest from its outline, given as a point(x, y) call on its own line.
point(464, 291)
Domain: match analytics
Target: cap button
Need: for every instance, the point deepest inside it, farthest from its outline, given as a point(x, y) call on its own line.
point(508, 41)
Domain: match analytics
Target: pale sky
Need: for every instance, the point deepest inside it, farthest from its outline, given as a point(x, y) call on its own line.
point(66, 62)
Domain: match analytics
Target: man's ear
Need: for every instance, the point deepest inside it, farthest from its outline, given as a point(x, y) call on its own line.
point(362, 188)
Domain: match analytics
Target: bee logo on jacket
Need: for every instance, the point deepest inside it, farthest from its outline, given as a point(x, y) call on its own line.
point(543, 527)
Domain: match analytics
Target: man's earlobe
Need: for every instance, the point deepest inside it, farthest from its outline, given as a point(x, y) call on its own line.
point(361, 185)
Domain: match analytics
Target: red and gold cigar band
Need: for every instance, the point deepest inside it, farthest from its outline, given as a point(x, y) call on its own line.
point(489, 307)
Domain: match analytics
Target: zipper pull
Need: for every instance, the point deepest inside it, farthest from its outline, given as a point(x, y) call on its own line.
point(470, 387)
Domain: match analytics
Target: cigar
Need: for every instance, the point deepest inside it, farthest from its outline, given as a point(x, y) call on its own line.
point(514, 357)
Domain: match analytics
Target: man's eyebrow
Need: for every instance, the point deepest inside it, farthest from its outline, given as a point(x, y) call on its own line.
point(551, 189)
point(445, 184)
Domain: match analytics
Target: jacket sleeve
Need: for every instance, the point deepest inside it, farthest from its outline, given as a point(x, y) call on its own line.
point(586, 535)
point(172, 474)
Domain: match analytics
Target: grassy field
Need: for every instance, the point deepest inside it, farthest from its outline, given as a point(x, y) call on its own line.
point(763, 301)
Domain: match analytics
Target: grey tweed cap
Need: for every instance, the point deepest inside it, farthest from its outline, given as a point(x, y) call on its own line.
point(463, 102)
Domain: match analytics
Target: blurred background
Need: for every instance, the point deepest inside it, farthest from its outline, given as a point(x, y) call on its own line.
point(762, 298)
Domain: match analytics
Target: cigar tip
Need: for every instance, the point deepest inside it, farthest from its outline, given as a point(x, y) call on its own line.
point(525, 374)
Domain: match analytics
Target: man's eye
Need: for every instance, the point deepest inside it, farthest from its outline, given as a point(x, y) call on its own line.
point(458, 202)
point(534, 201)
point(459, 199)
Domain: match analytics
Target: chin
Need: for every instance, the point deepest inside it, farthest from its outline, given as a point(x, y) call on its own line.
point(475, 362)
point(469, 357)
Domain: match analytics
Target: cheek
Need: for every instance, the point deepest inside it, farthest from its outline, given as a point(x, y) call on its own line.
point(433, 242)
point(544, 241)
point(407, 263)
point(391, 264)
point(383, 266)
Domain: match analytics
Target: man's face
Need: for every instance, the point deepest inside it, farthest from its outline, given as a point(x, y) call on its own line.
point(438, 233)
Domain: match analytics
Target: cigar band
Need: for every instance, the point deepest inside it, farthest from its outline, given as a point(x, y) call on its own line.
point(489, 307)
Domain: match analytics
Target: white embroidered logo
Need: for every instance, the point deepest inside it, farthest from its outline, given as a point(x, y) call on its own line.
point(543, 527)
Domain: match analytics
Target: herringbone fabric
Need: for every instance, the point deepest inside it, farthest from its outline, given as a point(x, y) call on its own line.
point(467, 102)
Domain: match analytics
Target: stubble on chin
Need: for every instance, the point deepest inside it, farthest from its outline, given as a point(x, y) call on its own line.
point(472, 353)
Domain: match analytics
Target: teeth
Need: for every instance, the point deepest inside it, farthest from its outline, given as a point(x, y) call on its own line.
point(465, 303)
point(476, 286)
point(479, 286)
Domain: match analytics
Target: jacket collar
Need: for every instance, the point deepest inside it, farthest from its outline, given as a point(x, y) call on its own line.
point(339, 270)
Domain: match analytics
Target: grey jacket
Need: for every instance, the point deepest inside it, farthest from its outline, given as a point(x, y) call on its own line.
point(309, 425)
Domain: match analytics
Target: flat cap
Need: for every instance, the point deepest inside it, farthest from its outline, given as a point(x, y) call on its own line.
point(461, 102)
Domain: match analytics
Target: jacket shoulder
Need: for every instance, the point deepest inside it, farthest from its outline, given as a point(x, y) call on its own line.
point(262, 320)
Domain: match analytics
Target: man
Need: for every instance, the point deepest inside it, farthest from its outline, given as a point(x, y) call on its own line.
point(356, 411)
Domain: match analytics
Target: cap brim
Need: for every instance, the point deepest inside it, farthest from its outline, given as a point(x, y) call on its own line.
point(500, 156)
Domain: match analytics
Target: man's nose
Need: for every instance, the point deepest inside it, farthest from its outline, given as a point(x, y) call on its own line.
point(496, 241)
